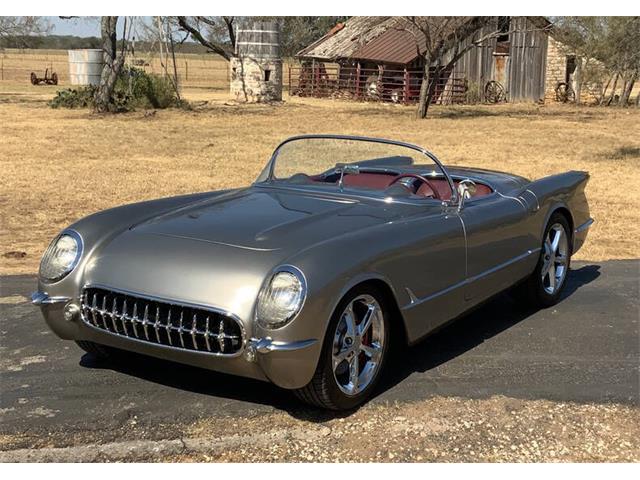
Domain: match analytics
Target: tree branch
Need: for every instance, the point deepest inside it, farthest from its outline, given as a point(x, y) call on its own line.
point(195, 33)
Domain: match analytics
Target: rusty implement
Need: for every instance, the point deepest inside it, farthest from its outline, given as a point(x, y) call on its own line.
point(46, 80)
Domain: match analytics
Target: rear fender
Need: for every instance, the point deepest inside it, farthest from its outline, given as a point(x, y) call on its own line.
point(564, 191)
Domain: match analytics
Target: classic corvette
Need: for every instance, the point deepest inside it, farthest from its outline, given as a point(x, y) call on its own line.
point(342, 246)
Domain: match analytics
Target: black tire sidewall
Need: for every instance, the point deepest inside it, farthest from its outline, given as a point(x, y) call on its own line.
point(337, 397)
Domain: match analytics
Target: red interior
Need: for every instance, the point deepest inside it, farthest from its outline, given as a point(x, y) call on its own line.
point(380, 181)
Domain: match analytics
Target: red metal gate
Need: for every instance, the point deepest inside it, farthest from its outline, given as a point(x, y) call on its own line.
point(372, 84)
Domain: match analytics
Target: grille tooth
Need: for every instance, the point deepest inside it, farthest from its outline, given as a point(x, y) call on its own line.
point(206, 334)
point(103, 311)
point(93, 310)
point(124, 317)
point(168, 326)
point(194, 331)
point(156, 324)
point(221, 335)
point(113, 315)
point(195, 335)
point(180, 330)
point(145, 320)
point(134, 319)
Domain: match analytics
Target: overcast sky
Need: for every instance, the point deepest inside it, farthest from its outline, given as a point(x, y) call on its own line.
point(80, 27)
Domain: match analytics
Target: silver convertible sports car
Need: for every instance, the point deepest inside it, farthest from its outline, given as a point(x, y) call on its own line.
point(342, 246)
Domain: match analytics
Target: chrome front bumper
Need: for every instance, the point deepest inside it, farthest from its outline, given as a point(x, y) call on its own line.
point(287, 364)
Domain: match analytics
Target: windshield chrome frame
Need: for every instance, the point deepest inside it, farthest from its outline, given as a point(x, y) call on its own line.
point(454, 193)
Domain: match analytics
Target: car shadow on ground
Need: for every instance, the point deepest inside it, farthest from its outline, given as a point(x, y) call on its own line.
point(458, 337)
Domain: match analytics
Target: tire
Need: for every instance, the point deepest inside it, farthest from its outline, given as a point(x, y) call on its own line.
point(328, 389)
point(536, 290)
point(100, 352)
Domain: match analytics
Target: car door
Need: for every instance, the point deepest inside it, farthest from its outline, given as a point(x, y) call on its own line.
point(428, 268)
point(498, 245)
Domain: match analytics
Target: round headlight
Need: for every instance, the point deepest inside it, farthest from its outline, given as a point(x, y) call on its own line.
point(61, 257)
point(282, 298)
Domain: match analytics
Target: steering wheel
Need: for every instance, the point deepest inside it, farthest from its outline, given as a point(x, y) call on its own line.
point(436, 194)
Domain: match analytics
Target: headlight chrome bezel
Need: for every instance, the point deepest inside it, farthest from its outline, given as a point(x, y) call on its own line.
point(48, 252)
point(297, 273)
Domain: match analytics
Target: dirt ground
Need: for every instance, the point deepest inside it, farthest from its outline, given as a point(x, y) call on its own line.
point(497, 429)
point(59, 165)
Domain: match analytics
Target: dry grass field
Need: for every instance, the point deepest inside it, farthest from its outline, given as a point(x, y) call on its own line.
point(59, 165)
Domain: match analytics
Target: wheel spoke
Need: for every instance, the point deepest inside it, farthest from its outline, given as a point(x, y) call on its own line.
point(552, 276)
point(556, 240)
point(372, 351)
point(354, 372)
point(349, 320)
point(545, 268)
point(366, 321)
point(341, 357)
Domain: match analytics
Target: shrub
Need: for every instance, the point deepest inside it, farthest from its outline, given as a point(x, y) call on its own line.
point(73, 98)
point(473, 93)
point(134, 89)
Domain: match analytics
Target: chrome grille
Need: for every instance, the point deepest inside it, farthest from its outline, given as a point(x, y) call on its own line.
point(153, 321)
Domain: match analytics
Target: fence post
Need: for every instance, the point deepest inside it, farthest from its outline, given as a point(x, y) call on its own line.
point(186, 71)
point(405, 100)
point(358, 80)
point(2, 67)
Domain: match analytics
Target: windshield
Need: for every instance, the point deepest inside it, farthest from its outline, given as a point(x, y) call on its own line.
point(350, 162)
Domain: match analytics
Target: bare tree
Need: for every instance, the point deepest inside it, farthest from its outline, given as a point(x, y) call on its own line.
point(441, 43)
point(19, 29)
point(215, 33)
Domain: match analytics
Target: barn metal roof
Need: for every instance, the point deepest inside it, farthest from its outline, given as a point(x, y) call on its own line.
point(344, 42)
point(393, 46)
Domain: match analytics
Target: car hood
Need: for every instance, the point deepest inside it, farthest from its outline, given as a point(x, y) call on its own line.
point(267, 219)
point(219, 251)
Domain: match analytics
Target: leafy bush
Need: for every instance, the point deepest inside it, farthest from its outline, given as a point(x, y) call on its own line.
point(134, 89)
point(73, 98)
point(473, 93)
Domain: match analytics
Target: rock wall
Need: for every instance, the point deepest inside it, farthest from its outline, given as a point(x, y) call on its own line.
point(256, 80)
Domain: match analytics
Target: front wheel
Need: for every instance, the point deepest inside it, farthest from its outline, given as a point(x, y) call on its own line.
point(544, 287)
point(353, 353)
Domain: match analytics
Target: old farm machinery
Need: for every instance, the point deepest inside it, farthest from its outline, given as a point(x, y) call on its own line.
point(46, 80)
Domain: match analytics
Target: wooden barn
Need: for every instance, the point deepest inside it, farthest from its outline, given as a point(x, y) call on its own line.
point(378, 58)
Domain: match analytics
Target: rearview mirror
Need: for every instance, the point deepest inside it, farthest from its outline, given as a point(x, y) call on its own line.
point(466, 189)
point(348, 169)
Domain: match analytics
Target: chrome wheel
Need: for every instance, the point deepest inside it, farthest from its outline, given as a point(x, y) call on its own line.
point(555, 258)
point(358, 345)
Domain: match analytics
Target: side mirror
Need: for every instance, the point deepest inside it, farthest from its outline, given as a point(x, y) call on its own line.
point(466, 189)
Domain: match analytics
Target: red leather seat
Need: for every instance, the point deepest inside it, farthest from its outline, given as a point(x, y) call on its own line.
point(378, 181)
point(444, 191)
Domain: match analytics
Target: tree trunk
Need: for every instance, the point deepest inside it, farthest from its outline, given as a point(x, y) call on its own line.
point(613, 89)
point(626, 91)
point(603, 94)
point(112, 65)
point(424, 100)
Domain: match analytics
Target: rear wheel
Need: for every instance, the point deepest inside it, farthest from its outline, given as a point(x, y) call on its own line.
point(353, 354)
point(544, 287)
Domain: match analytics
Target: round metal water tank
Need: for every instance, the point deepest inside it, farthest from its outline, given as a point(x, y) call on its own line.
point(85, 66)
point(258, 40)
